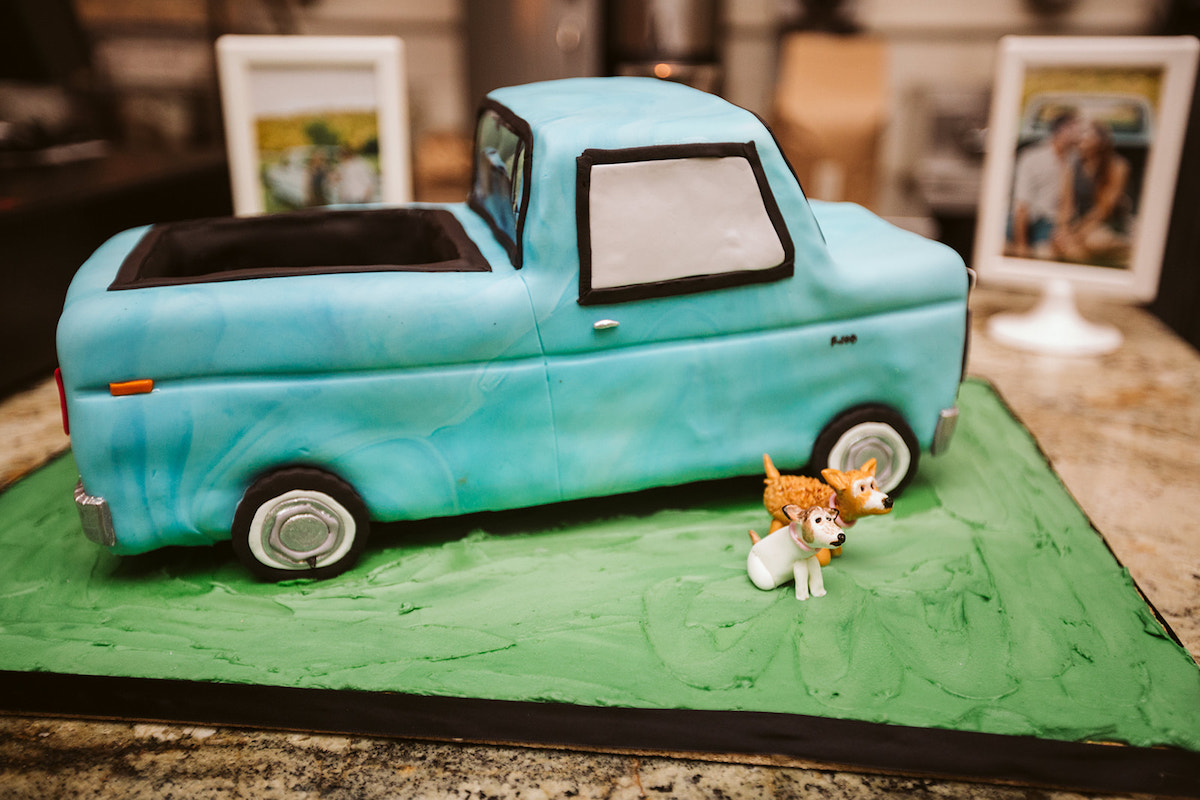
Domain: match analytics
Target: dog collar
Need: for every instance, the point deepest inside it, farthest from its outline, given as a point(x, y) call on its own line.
point(798, 539)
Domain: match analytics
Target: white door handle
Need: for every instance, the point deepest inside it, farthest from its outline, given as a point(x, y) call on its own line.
point(605, 324)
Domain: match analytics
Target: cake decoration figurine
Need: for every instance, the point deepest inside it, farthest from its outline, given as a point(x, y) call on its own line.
point(790, 552)
point(854, 494)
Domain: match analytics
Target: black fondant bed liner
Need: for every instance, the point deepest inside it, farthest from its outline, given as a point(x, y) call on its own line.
point(815, 741)
point(308, 242)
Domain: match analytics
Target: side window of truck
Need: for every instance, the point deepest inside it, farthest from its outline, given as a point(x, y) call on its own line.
point(668, 220)
point(498, 191)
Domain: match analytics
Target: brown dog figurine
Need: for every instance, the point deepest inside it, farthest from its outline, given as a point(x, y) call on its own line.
point(854, 494)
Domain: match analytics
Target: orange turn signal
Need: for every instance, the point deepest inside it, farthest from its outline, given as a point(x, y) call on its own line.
point(141, 386)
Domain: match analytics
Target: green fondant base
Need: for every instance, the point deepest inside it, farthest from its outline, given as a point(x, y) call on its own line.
point(985, 602)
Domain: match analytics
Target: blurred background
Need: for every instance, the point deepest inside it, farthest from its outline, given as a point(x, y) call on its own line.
point(110, 112)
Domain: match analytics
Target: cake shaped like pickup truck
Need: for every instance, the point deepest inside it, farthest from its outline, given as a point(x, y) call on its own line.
point(637, 293)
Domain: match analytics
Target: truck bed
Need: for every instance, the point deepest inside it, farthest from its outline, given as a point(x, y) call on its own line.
point(304, 242)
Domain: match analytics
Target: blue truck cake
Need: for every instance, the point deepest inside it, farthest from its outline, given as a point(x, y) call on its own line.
point(636, 293)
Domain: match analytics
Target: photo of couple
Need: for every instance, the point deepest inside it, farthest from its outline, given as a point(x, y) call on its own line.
point(1077, 174)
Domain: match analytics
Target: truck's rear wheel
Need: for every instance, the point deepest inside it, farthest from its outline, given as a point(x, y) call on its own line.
point(300, 523)
point(869, 432)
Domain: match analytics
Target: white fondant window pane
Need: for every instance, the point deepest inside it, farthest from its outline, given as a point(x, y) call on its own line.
point(653, 221)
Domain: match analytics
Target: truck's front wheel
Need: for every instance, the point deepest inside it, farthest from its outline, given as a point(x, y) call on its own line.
point(300, 523)
point(869, 432)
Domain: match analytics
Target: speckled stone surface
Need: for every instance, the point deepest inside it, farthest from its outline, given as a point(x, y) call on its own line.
point(1122, 430)
point(45, 758)
point(31, 431)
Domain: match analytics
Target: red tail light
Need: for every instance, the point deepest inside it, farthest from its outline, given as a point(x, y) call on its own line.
point(62, 400)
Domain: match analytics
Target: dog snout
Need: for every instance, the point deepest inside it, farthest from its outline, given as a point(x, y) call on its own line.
point(887, 502)
point(841, 538)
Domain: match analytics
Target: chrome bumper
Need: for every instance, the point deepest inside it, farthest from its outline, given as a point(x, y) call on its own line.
point(95, 516)
point(944, 432)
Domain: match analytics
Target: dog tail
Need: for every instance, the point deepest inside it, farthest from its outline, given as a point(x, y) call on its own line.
point(754, 537)
point(769, 468)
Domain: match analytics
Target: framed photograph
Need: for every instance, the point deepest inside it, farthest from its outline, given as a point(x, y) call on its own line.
point(314, 121)
point(1083, 148)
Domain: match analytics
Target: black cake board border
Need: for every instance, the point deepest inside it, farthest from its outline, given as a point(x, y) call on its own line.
point(816, 742)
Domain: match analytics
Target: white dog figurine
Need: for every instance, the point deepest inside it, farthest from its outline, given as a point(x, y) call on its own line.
point(790, 553)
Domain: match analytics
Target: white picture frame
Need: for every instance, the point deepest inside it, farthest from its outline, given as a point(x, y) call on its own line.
point(314, 121)
point(1140, 89)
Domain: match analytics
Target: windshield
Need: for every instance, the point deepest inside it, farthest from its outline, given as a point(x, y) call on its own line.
point(499, 188)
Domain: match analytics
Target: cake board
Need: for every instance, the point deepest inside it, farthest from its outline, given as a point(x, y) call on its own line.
point(78, 639)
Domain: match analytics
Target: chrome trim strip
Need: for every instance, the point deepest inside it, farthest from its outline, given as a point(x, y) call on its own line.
point(95, 516)
point(944, 432)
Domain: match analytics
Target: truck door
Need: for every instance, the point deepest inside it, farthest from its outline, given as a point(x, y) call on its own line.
point(676, 247)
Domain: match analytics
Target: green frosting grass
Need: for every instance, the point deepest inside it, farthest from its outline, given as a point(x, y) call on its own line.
point(984, 602)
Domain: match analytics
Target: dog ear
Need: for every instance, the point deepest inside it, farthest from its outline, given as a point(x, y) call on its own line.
point(838, 480)
point(792, 512)
point(869, 467)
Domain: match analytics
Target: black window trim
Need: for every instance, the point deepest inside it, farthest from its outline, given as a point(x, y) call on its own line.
point(589, 295)
point(524, 132)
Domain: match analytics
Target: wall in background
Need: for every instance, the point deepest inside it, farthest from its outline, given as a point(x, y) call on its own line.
point(935, 47)
point(435, 49)
point(157, 54)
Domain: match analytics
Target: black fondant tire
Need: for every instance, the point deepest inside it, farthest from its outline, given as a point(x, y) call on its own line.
point(300, 523)
point(867, 432)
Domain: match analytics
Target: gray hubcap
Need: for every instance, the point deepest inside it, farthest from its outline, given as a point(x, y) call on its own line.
point(301, 529)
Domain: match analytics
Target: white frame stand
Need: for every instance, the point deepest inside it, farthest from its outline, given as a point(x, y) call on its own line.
point(1055, 327)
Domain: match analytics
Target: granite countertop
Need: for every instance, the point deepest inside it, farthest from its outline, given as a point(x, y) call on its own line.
point(1122, 430)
